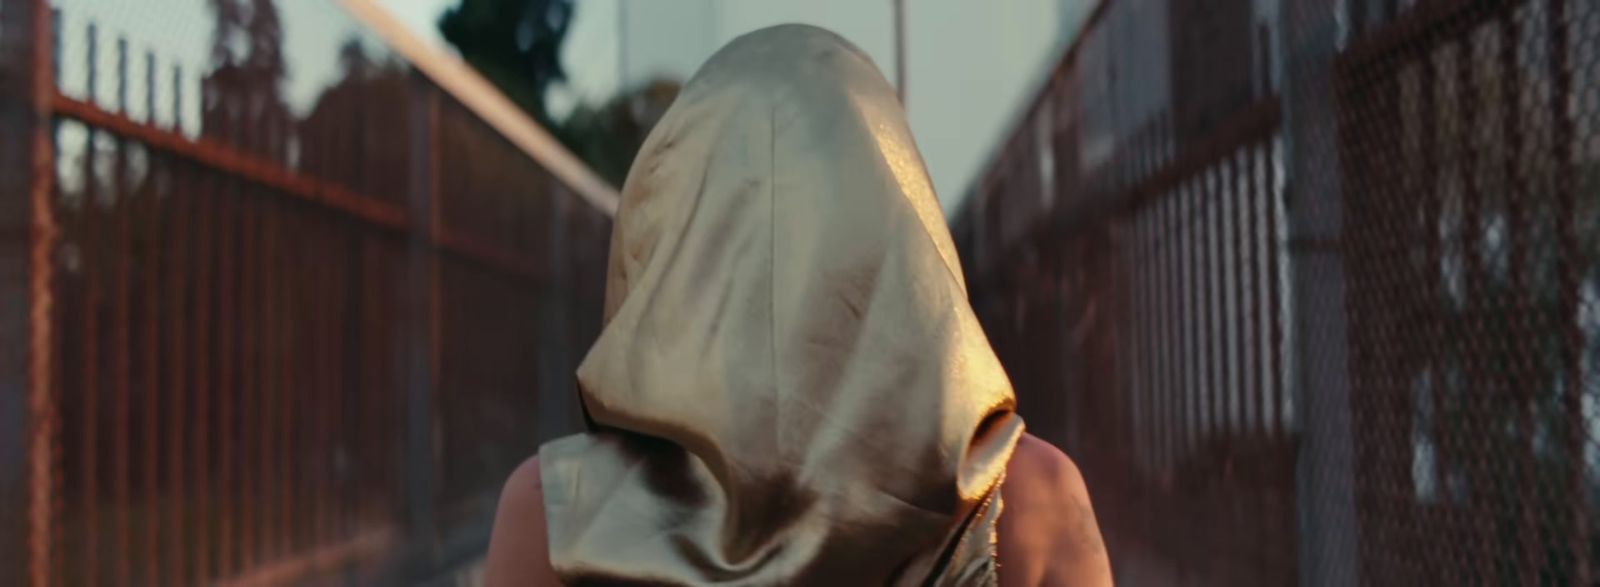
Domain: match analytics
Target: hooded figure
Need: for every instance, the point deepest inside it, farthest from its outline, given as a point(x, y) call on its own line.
point(790, 387)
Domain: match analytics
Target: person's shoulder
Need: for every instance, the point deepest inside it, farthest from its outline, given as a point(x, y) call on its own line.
point(518, 548)
point(1048, 534)
point(1041, 478)
point(1039, 464)
point(524, 488)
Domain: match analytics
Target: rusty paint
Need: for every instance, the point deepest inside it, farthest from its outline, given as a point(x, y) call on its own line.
point(230, 328)
point(91, 231)
point(43, 341)
point(200, 413)
point(121, 384)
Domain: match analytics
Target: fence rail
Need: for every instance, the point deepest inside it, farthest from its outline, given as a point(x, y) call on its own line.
point(269, 341)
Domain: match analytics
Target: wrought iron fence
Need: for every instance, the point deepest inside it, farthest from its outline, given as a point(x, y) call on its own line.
point(1310, 288)
point(261, 327)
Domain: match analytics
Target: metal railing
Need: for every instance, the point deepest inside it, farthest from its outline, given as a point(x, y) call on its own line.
point(266, 341)
point(1312, 293)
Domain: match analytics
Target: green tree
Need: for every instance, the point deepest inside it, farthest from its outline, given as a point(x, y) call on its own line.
point(608, 137)
point(516, 44)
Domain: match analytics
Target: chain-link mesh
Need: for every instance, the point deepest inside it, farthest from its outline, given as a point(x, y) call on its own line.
point(1313, 295)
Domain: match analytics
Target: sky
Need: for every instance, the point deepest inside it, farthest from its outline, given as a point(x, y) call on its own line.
point(970, 65)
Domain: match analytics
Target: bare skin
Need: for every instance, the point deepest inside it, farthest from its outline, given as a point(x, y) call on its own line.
point(1048, 535)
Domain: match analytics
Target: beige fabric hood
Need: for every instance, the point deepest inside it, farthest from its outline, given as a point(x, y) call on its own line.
point(790, 388)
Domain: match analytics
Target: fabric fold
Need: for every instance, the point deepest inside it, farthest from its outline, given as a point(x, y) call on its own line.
point(790, 387)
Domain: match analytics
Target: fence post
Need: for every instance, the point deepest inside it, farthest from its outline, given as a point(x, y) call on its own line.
point(558, 393)
point(1324, 477)
point(27, 242)
point(421, 425)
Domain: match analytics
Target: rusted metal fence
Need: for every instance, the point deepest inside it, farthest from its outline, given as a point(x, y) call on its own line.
point(264, 328)
point(1310, 288)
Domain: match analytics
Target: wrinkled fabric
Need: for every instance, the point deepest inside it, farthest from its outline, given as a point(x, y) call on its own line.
point(790, 387)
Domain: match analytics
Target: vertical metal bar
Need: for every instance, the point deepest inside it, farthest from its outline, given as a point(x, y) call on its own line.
point(1233, 308)
point(338, 348)
point(1233, 286)
point(1170, 381)
point(1256, 154)
point(1274, 319)
point(290, 438)
point(1205, 313)
point(1211, 510)
point(1132, 246)
point(1195, 281)
point(270, 300)
point(230, 383)
point(200, 415)
point(181, 276)
point(1176, 320)
point(1189, 250)
point(285, 372)
point(900, 50)
point(296, 371)
point(344, 327)
point(1248, 253)
point(1148, 339)
point(366, 374)
point(1205, 271)
point(1194, 370)
point(431, 141)
point(153, 267)
point(1155, 330)
point(1172, 228)
point(93, 261)
point(329, 301)
point(169, 171)
point(1202, 306)
point(1569, 264)
point(325, 396)
point(336, 335)
point(55, 424)
point(270, 484)
point(1227, 402)
point(221, 495)
point(284, 440)
point(42, 342)
point(179, 180)
point(177, 98)
point(420, 290)
point(150, 88)
point(248, 505)
point(122, 343)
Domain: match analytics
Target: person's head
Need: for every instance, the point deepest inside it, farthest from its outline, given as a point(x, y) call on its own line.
point(784, 302)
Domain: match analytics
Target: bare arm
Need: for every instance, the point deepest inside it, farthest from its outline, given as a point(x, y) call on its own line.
point(1048, 534)
point(518, 550)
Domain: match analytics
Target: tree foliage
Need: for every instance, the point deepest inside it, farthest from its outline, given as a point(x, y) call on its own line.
point(517, 45)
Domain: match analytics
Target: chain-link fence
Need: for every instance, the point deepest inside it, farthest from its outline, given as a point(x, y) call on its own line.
point(1310, 288)
point(283, 298)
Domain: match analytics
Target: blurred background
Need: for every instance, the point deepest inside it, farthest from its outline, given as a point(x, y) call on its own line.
point(1308, 288)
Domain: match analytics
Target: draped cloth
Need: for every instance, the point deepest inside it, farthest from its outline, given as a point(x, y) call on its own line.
point(790, 387)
